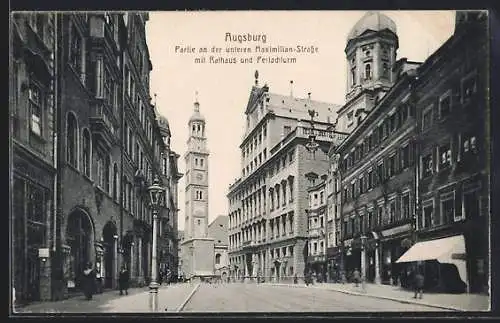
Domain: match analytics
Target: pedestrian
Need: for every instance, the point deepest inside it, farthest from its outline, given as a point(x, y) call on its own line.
point(356, 277)
point(295, 279)
point(89, 279)
point(123, 280)
point(419, 284)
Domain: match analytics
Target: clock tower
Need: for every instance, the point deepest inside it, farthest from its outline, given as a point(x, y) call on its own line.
point(197, 248)
point(196, 158)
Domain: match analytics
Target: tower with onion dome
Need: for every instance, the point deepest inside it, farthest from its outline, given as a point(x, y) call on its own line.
point(371, 52)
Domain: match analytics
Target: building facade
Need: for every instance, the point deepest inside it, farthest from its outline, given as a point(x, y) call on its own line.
point(218, 230)
point(101, 132)
point(198, 262)
point(267, 219)
point(453, 165)
point(32, 111)
point(316, 227)
point(414, 172)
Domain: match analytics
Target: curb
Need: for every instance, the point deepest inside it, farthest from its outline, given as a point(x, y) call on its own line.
point(181, 307)
point(404, 301)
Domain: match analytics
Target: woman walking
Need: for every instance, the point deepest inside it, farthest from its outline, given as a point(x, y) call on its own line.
point(123, 280)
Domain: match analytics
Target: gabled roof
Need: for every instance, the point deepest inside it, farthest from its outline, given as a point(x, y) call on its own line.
point(218, 230)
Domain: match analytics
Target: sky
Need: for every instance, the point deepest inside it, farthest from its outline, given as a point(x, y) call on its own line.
point(223, 89)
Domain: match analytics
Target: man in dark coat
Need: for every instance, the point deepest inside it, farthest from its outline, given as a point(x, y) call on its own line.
point(123, 280)
point(419, 284)
point(89, 279)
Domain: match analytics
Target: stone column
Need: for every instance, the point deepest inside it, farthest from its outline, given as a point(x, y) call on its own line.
point(132, 260)
point(377, 264)
point(363, 263)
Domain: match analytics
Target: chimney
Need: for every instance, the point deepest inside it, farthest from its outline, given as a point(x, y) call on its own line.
point(291, 88)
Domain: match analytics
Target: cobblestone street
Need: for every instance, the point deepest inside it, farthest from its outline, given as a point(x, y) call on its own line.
point(250, 297)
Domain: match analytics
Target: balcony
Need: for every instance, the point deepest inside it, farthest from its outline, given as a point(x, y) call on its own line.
point(103, 123)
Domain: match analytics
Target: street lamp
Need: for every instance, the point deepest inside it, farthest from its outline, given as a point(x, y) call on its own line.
point(363, 262)
point(156, 194)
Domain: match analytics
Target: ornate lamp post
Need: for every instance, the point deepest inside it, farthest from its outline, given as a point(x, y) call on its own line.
point(156, 194)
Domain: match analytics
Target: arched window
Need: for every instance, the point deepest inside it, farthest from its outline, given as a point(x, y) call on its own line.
point(107, 170)
point(217, 259)
point(115, 182)
point(72, 137)
point(353, 76)
point(368, 72)
point(86, 152)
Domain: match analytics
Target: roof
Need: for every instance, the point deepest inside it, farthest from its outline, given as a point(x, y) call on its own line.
point(218, 230)
point(374, 21)
point(288, 106)
point(197, 116)
point(163, 123)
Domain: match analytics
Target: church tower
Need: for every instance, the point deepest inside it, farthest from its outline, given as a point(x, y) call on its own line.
point(197, 248)
point(196, 158)
point(371, 52)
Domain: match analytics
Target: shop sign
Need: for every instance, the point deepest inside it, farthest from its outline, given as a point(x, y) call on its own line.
point(459, 256)
point(396, 230)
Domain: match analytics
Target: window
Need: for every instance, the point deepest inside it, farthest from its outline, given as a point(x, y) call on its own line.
point(201, 162)
point(199, 222)
point(385, 70)
point(76, 51)
point(427, 165)
point(469, 144)
point(286, 130)
point(353, 75)
point(468, 89)
point(445, 106)
point(471, 205)
point(380, 172)
point(405, 205)
point(445, 155)
point(368, 72)
point(71, 144)
point(322, 198)
point(290, 156)
point(217, 258)
point(370, 179)
point(392, 166)
point(107, 169)
point(371, 220)
point(392, 212)
point(427, 118)
point(405, 156)
point(346, 194)
point(428, 216)
point(361, 186)
point(448, 210)
point(35, 102)
point(86, 152)
point(115, 182)
point(353, 190)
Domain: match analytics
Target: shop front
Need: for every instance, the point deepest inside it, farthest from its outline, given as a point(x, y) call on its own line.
point(442, 262)
point(334, 260)
point(392, 247)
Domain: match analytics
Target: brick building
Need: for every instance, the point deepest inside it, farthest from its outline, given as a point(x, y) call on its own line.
point(267, 219)
point(81, 100)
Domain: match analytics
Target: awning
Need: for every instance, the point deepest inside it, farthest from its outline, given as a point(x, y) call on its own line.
point(449, 250)
point(441, 250)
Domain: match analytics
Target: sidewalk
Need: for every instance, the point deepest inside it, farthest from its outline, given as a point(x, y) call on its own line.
point(456, 302)
point(170, 297)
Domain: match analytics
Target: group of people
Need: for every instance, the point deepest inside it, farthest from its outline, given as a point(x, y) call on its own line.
point(91, 282)
point(417, 281)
